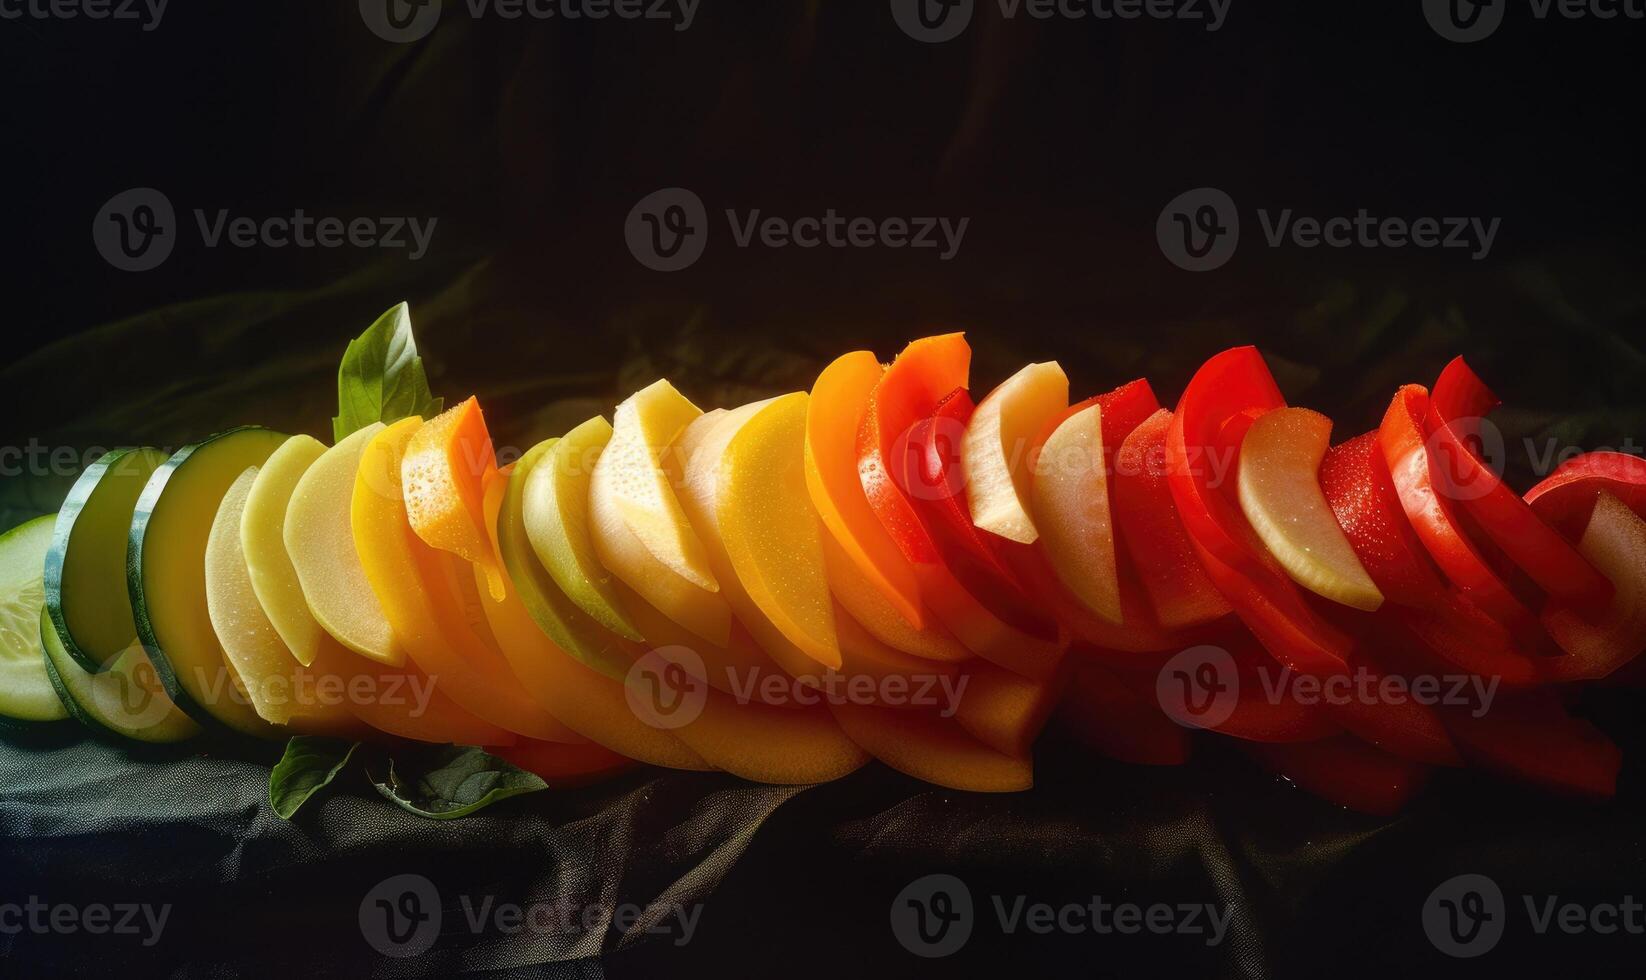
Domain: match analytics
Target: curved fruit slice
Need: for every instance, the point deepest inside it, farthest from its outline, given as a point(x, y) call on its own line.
point(1281, 497)
point(587, 702)
point(871, 609)
point(401, 700)
point(1615, 542)
point(1546, 557)
point(833, 415)
point(1152, 534)
point(567, 623)
point(1070, 493)
point(249, 640)
point(1224, 396)
point(556, 512)
point(767, 744)
point(635, 476)
point(565, 766)
point(26, 692)
point(1567, 498)
point(933, 750)
point(702, 448)
point(1003, 710)
point(262, 536)
point(86, 566)
point(448, 463)
point(924, 374)
point(1535, 739)
point(1433, 515)
point(319, 536)
point(428, 595)
point(166, 575)
point(632, 498)
point(770, 531)
point(125, 698)
point(999, 448)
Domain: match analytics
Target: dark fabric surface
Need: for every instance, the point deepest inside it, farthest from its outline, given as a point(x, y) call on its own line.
point(1061, 142)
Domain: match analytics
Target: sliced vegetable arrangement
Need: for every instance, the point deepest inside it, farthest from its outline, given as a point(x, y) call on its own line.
point(883, 568)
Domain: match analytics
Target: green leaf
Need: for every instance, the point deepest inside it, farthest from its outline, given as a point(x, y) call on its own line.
point(382, 378)
point(309, 764)
point(454, 781)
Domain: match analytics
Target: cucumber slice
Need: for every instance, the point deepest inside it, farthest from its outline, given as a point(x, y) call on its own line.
point(125, 698)
point(26, 693)
point(86, 565)
point(166, 576)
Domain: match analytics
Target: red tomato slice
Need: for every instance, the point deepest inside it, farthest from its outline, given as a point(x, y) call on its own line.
point(1557, 567)
point(1567, 497)
point(1536, 740)
point(1432, 515)
point(1362, 495)
point(1152, 535)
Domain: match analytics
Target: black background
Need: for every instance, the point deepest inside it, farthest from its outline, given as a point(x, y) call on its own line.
point(1061, 142)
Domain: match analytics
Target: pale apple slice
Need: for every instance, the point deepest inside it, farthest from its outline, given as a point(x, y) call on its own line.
point(1071, 510)
point(631, 470)
point(556, 514)
point(634, 477)
point(273, 577)
point(1615, 542)
point(1280, 493)
point(319, 536)
point(250, 643)
point(770, 530)
point(999, 442)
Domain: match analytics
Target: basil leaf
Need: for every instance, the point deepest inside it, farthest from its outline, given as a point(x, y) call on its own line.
point(308, 765)
point(381, 378)
point(454, 781)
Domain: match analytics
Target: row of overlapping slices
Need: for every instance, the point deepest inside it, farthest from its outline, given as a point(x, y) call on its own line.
point(880, 528)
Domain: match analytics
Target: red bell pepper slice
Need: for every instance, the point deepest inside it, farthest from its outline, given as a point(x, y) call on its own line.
point(1432, 515)
point(1535, 739)
point(1216, 409)
point(1347, 772)
point(939, 501)
point(1362, 496)
point(1105, 715)
point(1567, 498)
point(1152, 535)
point(1550, 560)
